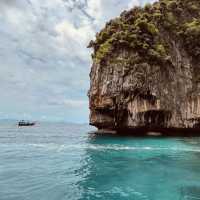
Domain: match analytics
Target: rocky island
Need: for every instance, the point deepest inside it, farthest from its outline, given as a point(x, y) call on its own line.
point(145, 75)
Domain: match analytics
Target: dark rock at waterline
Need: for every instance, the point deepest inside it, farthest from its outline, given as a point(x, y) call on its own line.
point(145, 75)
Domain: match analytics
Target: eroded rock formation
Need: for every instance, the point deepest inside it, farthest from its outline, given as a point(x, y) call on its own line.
point(146, 69)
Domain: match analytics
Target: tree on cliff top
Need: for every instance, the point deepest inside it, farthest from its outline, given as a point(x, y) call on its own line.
point(141, 30)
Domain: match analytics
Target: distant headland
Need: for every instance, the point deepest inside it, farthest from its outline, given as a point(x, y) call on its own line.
point(145, 75)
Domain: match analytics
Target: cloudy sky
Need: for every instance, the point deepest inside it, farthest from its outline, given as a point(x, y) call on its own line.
point(44, 68)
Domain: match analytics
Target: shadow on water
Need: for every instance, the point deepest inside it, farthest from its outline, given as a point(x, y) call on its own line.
point(140, 168)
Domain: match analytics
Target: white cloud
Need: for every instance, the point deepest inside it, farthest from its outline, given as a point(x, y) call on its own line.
point(74, 39)
point(133, 3)
point(75, 103)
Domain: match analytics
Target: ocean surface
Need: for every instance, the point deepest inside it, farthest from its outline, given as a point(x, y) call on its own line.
point(57, 161)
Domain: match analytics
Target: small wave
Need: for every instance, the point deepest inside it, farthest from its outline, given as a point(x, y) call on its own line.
point(62, 147)
point(188, 197)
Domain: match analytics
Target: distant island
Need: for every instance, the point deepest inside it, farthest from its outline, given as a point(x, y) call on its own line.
point(145, 75)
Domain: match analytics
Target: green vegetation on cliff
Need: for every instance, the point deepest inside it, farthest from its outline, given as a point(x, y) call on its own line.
point(144, 30)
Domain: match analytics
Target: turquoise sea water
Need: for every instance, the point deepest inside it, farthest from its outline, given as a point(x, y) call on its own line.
point(64, 162)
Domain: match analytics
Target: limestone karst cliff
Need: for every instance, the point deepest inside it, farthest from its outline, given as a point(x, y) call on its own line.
point(146, 68)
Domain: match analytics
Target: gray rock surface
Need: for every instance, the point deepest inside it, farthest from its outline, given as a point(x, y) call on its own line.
point(145, 95)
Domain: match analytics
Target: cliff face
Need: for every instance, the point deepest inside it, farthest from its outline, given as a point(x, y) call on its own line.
point(146, 68)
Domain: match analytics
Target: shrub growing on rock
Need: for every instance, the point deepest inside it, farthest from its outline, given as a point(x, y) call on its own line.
point(142, 30)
